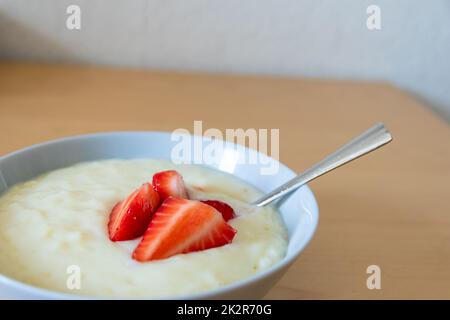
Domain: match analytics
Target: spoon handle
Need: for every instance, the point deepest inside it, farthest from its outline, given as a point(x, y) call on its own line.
point(370, 140)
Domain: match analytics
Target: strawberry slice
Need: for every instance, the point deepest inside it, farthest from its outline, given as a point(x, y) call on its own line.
point(169, 184)
point(226, 211)
point(183, 226)
point(130, 218)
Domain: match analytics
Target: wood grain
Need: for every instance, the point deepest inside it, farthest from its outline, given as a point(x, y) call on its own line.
point(391, 209)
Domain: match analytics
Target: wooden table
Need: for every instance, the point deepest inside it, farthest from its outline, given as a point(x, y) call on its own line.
point(390, 209)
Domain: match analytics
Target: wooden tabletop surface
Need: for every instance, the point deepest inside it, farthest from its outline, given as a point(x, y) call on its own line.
point(390, 209)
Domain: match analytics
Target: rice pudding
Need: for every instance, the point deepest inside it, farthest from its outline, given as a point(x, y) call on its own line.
point(60, 219)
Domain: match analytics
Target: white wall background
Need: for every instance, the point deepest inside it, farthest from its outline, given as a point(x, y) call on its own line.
point(308, 38)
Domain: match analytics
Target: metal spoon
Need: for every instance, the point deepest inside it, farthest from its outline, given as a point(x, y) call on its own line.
point(372, 139)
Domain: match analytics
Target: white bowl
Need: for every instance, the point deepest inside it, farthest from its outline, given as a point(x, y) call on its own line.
point(299, 211)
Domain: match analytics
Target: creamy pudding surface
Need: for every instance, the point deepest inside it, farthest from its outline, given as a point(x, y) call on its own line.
point(59, 220)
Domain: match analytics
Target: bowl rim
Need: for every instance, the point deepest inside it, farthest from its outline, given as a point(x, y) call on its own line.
point(211, 293)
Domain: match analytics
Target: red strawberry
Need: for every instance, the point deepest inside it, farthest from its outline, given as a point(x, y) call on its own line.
point(226, 211)
point(130, 218)
point(182, 226)
point(169, 184)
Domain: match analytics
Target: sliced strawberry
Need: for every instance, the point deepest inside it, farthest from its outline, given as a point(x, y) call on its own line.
point(182, 226)
point(226, 211)
point(130, 218)
point(169, 184)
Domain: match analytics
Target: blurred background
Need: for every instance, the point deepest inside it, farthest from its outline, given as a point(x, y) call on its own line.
point(306, 38)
